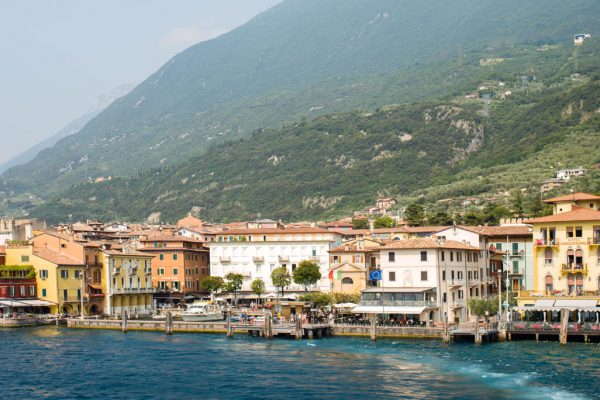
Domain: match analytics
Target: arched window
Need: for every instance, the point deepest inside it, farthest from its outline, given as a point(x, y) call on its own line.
point(579, 259)
point(579, 283)
point(570, 258)
point(347, 281)
point(548, 253)
point(549, 283)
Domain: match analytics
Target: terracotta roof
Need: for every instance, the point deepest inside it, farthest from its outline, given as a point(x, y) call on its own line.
point(579, 196)
point(258, 231)
point(169, 238)
point(391, 230)
point(190, 222)
point(427, 243)
point(55, 234)
point(351, 247)
point(128, 254)
point(516, 230)
point(576, 214)
point(425, 229)
point(168, 249)
point(56, 258)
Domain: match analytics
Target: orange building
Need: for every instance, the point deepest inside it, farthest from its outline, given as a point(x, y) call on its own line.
point(179, 264)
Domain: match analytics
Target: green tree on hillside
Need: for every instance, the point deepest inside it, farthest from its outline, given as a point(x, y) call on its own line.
point(440, 218)
point(360, 223)
point(384, 222)
point(414, 215)
point(516, 203)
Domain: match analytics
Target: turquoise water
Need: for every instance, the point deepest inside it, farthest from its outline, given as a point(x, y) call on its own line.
point(56, 363)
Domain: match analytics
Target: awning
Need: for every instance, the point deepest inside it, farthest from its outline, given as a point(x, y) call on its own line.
point(12, 303)
point(575, 303)
point(37, 303)
point(399, 290)
point(544, 303)
point(388, 310)
point(97, 287)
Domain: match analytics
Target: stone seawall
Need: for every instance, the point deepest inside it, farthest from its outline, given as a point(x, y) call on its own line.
point(146, 325)
point(388, 331)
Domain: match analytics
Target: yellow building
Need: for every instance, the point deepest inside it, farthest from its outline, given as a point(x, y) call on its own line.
point(566, 255)
point(350, 264)
point(57, 275)
point(128, 280)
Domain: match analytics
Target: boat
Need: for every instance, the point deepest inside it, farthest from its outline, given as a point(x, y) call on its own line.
point(200, 311)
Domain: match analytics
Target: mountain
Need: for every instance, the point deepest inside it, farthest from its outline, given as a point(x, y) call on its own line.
point(100, 103)
point(301, 59)
point(340, 162)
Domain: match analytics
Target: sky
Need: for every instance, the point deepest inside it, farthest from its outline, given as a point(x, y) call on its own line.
point(57, 56)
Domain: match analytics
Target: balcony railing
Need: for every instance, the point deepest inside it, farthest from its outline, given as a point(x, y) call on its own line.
point(225, 259)
point(557, 293)
point(133, 290)
point(574, 268)
point(314, 258)
point(258, 259)
point(594, 241)
point(552, 327)
point(546, 242)
point(284, 258)
point(397, 303)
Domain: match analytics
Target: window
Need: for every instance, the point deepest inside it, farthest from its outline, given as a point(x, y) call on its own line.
point(475, 257)
point(161, 257)
point(174, 257)
point(293, 267)
point(452, 275)
point(569, 231)
point(78, 274)
point(176, 285)
point(78, 294)
point(423, 275)
point(515, 248)
point(175, 271)
point(336, 259)
point(347, 281)
point(357, 258)
point(578, 231)
point(22, 291)
point(515, 267)
point(460, 294)
point(549, 283)
point(391, 256)
point(43, 273)
point(458, 256)
point(443, 275)
point(498, 246)
point(43, 292)
point(392, 276)
point(24, 258)
point(11, 291)
point(423, 256)
point(451, 256)
point(469, 257)
point(314, 252)
point(65, 294)
point(444, 297)
point(459, 275)
point(32, 291)
point(64, 274)
point(443, 256)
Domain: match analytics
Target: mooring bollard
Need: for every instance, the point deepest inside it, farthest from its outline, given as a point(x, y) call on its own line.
point(268, 325)
point(124, 321)
point(229, 325)
point(169, 323)
point(373, 327)
point(299, 329)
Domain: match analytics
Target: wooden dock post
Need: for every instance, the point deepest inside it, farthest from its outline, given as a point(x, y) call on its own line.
point(299, 329)
point(123, 321)
point(268, 325)
point(169, 323)
point(373, 327)
point(229, 325)
point(564, 325)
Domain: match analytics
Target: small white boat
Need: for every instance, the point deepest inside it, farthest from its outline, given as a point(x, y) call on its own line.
point(201, 311)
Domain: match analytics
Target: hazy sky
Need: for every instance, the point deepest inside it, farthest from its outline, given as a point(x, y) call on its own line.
point(57, 56)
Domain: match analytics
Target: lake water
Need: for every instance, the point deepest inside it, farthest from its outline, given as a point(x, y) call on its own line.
point(57, 363)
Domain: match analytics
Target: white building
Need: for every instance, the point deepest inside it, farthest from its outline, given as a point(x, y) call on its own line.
point(515, 240)
point(426, 279)
point(566, 174)
point(255, 253)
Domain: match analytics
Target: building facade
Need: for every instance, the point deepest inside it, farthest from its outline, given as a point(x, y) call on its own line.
point(351, 263)
point(255, 253)
point(430, 280)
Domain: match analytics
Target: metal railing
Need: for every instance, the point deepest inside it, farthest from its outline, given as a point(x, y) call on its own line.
point(397, 303)
point(133, 290)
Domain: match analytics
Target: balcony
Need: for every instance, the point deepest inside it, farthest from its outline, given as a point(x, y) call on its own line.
point(595, 241)
point(519, 253)
point(94, 265)
point(313, 258)
point(116, 271)
point(284, 258)
point(148, 271)
point(134, 290)
point(132, 270)
point(546, 243)
point(574, 268)
point(225, 259)
point(258, 259)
